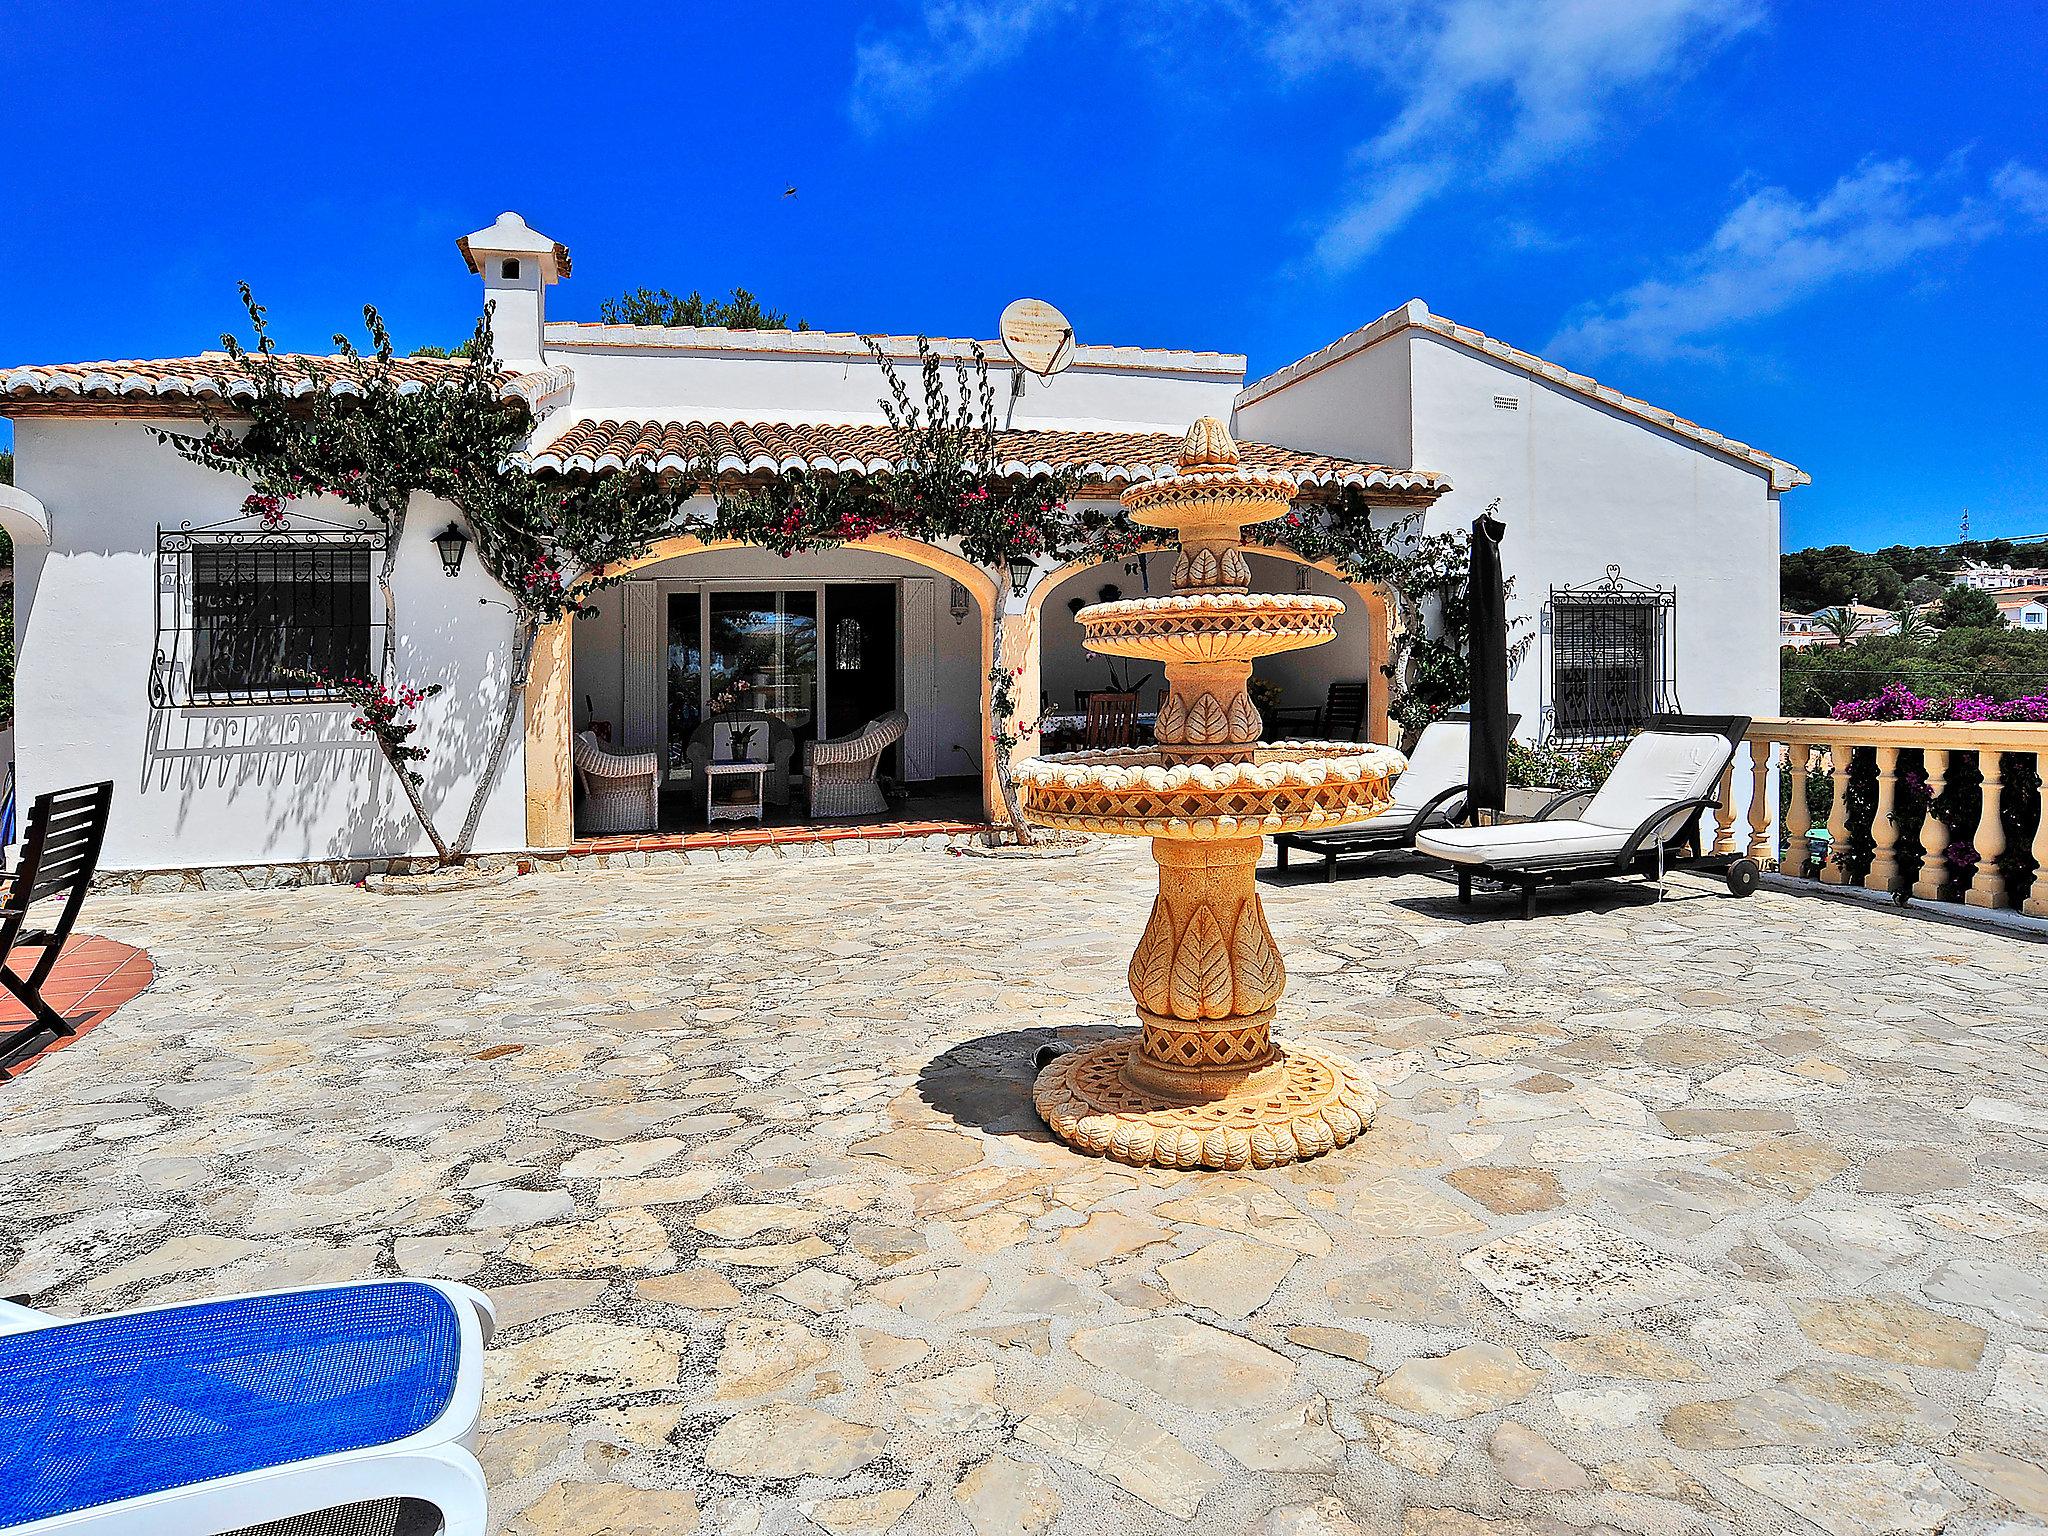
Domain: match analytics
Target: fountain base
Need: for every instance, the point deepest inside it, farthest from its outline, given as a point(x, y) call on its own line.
point(1110, 1101)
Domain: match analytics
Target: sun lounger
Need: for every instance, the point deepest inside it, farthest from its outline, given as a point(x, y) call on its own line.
point(210, 1416)
point(1644, 818)
point(1429, 793)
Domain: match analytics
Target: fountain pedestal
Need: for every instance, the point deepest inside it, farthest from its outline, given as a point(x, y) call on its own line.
point(1204, 1084)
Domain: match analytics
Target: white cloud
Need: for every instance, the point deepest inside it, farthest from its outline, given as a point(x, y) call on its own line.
point(2024, 188)
point(1496, 88)
point(900, 75)
point(1771, 252)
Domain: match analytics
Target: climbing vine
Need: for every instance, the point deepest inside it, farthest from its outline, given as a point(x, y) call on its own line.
point(375, 431)
point(369, 429)
point(946, 486)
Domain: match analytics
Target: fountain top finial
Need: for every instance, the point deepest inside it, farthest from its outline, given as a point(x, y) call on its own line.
point(1208, 445)
point(1210, 485)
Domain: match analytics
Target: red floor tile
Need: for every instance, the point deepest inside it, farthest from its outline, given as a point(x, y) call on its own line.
point(93, 977)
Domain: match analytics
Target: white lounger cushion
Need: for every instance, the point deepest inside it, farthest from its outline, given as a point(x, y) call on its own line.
point(1522, 840)
point(1442, 758)
point(1657, 768)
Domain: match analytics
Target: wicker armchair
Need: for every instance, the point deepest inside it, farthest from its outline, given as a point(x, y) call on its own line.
point(780, 747)
point(841, 772)
point(621, 791)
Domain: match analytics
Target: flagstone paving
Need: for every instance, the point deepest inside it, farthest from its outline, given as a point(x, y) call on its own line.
point(1703, 1216)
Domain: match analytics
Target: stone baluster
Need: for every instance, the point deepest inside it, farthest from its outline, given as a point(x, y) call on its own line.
point(1934, 832)
point(1839, 756)
point(1884, 832)
point(2037, 895)
point(1760, 807)
point(1987, 889)
point(1798, 814)
point(1724, 813)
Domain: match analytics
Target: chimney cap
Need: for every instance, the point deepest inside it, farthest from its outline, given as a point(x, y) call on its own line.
point(510, 236)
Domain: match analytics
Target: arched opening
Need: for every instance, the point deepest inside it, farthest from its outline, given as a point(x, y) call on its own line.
point(1067, 671)
point(822, 642)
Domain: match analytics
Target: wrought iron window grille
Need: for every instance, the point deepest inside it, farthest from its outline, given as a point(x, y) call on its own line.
point(250, 614)
point(1611, 658)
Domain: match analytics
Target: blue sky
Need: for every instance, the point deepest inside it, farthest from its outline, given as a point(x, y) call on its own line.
point(1817, 228)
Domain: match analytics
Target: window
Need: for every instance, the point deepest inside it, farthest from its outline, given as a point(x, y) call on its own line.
point(509, 268)
point(1611, 648)
point(248, 619)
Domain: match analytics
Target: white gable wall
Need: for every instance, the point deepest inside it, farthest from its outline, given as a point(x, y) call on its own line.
point(244, 783)
point(762, 384)
point(1582, 487)
point(1359, 408)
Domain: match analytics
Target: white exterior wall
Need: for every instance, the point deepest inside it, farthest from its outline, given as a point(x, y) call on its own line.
point(763, 384)
point(244, 783)
point(1580, 486)
point(1360, 408)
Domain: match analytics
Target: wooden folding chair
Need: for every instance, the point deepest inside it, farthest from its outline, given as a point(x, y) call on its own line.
point(59, 853)
point(1112, 720)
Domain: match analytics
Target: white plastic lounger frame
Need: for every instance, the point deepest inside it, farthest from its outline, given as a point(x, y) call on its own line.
point(437, 1464)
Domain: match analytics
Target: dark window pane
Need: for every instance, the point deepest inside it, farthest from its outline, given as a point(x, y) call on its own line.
point(277, 619)
point(1607, 659)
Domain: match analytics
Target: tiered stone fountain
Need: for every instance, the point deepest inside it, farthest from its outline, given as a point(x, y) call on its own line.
point(1204, 1084)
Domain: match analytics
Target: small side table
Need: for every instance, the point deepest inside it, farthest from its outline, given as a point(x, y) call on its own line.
point(749, 805)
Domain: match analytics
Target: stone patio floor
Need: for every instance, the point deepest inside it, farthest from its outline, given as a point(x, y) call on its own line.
point(1711, 1215)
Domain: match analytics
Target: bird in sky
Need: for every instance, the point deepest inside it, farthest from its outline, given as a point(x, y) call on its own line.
point(790, 190)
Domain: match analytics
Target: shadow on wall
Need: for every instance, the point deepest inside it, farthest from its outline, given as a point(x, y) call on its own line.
point(320, 788)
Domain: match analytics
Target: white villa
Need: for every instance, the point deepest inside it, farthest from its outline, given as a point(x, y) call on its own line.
point(1643, 549)
point(2024, 607)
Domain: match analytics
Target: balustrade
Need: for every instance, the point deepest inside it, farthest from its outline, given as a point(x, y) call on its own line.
point(1882, 774)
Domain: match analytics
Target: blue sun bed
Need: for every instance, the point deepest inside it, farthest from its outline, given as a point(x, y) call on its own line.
point(207, 1417)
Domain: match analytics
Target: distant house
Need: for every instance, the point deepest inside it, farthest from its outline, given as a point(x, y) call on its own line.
point(1797, 631)
point(165, 640)
point(2024, 607)
point(1993, 578)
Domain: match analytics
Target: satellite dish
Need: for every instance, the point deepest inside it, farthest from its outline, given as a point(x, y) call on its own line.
point(1037, 337)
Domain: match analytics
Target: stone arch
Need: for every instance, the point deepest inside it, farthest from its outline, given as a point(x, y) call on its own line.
point(550, 693)
point(1374, 596)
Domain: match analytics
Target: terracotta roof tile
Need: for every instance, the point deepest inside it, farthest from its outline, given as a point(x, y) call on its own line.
point(212, 378)
point(1103, 458)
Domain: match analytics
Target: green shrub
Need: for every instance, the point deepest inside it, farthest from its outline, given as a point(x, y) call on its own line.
point(1562, 765)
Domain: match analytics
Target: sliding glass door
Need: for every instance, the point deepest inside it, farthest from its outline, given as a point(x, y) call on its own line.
point(744, 648)
point(761, 653)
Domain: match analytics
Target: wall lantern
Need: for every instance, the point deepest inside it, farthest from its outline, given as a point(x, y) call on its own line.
point(956, 604)
point(1021, 567)
point(451, 541)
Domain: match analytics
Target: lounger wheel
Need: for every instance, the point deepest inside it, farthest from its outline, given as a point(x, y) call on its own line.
point(1744, 875)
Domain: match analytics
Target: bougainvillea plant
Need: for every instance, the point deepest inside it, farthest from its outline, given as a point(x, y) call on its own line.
point(1895, 701)
point(368, 428)
point(946, 485)
point(375, 430)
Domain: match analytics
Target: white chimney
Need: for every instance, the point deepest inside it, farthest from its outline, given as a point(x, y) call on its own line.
point(516, 265)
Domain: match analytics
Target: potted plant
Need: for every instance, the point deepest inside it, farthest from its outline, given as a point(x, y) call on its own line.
point(1539, 774)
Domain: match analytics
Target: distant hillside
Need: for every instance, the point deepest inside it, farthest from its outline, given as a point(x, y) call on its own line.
point(1820, 578)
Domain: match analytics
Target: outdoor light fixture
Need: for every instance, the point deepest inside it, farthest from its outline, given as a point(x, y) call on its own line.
point(1021, 568)
point(957, 603)
point(1301, 578)
point(451, 541)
